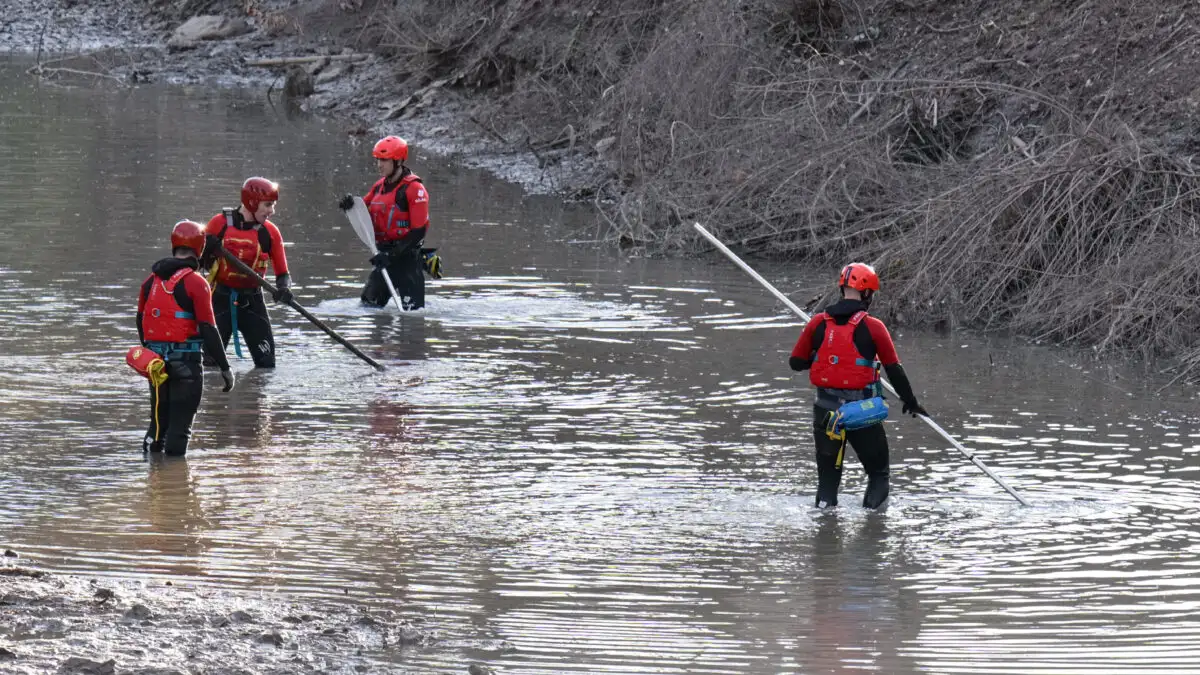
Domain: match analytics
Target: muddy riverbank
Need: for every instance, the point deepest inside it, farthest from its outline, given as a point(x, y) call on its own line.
point(52, 623)
point(56, 623)
point(125, 43)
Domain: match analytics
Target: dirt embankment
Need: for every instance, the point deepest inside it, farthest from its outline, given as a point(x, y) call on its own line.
point(1023, 165)
point(68, 625)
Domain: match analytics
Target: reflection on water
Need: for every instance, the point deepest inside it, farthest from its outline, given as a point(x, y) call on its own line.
point(577, 461)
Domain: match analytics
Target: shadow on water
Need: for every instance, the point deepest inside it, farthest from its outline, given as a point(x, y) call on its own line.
point(577, 460)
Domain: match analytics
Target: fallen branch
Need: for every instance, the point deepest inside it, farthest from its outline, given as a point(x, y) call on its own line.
point(292, 60)
point(870, 99)
point(490, 129)
point(40, 71)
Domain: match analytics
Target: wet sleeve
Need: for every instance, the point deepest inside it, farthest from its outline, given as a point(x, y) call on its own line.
point(278, 256)
point(201, 297)
point(211, 238)
point(802, 353)
point(213, 345)
point(899, 380)
point(143, 291)
point(885, 349)
point(418, 205)
point(200, 294)
point(410, 239)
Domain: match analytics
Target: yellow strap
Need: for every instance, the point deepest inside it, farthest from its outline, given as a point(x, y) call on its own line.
point(830, 424)
point(157, 372)
point(157, 426)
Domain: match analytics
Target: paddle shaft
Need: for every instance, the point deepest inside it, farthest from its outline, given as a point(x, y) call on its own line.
point(799, 312)
point(387, 278)
point(361, 224)
point(246, 269)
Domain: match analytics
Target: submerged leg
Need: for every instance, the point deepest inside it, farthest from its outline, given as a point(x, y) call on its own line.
point(159, 403)
point(254, 321)
point(375, 293)
point(871, 446)
point(186, 386)
point(829, 461)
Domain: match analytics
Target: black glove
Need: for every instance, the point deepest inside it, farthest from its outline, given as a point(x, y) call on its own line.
point(346, 203)
point(381, 259)
point(913, 408)
point(227, 375)
point(283, 295)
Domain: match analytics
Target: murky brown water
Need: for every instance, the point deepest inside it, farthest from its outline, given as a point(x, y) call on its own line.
point(578, 461)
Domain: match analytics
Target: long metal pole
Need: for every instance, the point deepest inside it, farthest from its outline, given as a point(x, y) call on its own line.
point(246, 269)
point(799, 312)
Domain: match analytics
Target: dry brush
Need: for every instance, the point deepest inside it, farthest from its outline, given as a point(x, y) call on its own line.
point(982, 202)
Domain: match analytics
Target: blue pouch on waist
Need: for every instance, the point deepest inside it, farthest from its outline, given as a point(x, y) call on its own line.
point(858, 415)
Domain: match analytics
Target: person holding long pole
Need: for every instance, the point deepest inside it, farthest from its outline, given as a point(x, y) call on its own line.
point(864, 412)
point(251, 237)
point(399, 206)
point(843, 349)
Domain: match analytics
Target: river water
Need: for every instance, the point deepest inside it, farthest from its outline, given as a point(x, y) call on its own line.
point(578, 460)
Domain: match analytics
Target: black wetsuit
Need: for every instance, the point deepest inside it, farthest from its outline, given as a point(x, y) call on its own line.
point(869, 443)
point(174, 403)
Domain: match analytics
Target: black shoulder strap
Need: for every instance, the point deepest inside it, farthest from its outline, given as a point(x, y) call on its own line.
point(229, 214)
point(181, 295)
point(264, 239)
point(864, 342)
point(402, 195)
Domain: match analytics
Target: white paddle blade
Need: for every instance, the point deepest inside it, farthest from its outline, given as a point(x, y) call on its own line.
point(360, 220)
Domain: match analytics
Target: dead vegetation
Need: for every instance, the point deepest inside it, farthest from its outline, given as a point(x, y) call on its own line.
point(985, 196)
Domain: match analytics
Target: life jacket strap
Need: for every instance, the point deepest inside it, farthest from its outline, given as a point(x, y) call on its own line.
point(175, 350)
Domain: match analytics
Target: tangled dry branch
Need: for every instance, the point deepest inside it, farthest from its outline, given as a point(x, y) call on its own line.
point(740, 114)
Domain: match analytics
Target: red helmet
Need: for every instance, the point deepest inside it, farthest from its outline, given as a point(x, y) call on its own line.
point(257, 190)
point(188, 234)
point(391, 147)
point(859, 276)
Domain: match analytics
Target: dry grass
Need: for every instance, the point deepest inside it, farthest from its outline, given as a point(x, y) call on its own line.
point(740, 115)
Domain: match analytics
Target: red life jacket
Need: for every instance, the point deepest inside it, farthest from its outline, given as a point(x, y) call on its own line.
point(252, 246)
point(838, 364)
point(389, 211)
point(163, 320)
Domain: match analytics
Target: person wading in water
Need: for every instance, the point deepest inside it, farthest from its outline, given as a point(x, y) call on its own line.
point(843, 348)
point(399, 207)
point(252, 238)
point(175, 322)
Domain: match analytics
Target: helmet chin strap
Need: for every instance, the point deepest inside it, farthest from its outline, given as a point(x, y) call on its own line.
point(866, 297)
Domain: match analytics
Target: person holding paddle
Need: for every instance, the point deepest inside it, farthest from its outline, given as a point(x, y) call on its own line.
point(843, 348)
point(399, 206)
point(175, 324)
point(251, 237)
